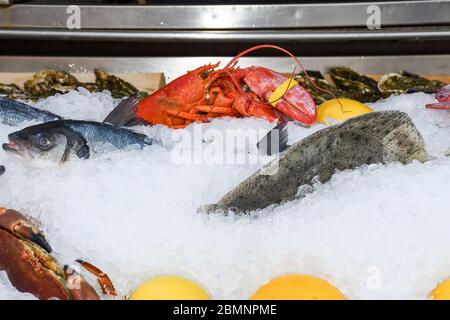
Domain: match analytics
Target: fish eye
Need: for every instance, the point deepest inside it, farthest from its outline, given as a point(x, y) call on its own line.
point(43, 141)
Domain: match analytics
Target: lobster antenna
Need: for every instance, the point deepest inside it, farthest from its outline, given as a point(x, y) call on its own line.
point(234, 61)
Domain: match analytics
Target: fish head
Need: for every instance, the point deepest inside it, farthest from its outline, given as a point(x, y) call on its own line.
point(47, 143)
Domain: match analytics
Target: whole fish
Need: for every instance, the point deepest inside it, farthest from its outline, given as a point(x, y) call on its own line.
point(13, 113)
point(377, 137)
point(61, 140)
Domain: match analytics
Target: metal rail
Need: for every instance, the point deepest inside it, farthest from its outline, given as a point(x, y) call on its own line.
point(172, 67)
point(224, 36)
point(229, 17)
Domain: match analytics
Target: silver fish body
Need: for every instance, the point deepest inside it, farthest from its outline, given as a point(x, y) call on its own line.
point(13, 113)
point(58, 141)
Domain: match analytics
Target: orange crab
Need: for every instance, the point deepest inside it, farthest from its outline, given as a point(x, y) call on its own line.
point(25, 256)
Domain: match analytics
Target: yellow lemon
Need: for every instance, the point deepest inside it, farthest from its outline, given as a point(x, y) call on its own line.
point(332, 109)
point(442, 291)
point(169, 288)
point(298, 287)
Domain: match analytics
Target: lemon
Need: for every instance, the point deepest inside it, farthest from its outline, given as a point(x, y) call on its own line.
point(298, 287)
point(442, 291)
point(347, 108)
point(169, 288)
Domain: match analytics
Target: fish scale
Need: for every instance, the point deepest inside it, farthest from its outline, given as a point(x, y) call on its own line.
point(13, 113)
point(95, 132)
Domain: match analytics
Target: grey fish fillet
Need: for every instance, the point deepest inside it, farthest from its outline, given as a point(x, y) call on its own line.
point(13, 113)
point(377, 137)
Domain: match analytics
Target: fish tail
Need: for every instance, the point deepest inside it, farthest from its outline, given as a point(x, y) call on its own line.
point(124, 114)
point(275, 141)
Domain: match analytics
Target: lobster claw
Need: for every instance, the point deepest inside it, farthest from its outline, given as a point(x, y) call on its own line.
point(443, 94)
point(18, 225)
point(291, 99)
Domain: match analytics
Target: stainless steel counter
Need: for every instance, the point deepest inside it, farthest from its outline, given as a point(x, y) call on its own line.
point(407, 27)
point(227, 17)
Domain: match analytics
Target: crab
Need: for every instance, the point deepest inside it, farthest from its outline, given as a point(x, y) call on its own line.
point(26, 258)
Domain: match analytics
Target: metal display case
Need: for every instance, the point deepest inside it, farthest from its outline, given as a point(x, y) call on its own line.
point(165, 35)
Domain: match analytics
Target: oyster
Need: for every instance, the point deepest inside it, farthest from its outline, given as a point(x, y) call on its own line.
point(91, 86)
point(356, 86)
point(49, 82)
point(406, 82)
point(12, 91)
point(319, 80)
point(119, 88)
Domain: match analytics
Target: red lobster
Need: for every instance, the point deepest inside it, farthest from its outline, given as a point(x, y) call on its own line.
point(208, 92)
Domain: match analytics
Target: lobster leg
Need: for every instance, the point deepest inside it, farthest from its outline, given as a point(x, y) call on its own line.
point(219, 110)
point(439, 105)
point(187, 115)
point(254, 108)
point(103, 279)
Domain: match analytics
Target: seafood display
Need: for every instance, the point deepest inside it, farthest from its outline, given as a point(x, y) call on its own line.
point(208, 92)
point(378, 137)
point(46, 83)
point(13, 113)
point(26, 258)
point(61, 140)
point(303, 172)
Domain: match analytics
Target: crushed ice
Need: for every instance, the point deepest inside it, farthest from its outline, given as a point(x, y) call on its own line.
point(380, 231)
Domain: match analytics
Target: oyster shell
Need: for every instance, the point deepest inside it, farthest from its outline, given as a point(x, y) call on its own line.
point(406, 82)
point(12, 91)
point(119, 88)
point(49, 82)
point(356, 86)
point(319, 80)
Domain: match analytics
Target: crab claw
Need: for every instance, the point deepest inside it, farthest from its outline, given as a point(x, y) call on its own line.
point(79, 288)
point(102, 278)
point(17, 224)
